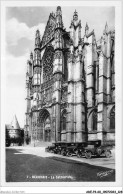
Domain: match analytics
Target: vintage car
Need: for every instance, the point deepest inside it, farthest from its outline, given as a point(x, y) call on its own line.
point(63, 148)
point(69, 149)
point(76, 148)
point(81, 149)
point(56, 147)
point(95, 148)
point(59, 148)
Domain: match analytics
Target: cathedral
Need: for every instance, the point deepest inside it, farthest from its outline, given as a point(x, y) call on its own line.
point(70, 84)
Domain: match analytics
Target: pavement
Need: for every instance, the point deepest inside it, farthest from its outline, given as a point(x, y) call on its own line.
point(40, 151)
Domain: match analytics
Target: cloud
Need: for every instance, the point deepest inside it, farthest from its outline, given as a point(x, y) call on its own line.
point(15, 87)
point(15, 103)
point(16, 65)
point(16, 31)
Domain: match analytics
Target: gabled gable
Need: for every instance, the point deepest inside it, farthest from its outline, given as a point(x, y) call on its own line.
point(49, 30)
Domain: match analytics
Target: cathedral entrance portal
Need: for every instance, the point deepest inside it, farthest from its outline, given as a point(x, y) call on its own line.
point(46, 125)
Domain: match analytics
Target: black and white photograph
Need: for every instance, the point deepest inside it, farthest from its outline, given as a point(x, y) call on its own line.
point(61, 87)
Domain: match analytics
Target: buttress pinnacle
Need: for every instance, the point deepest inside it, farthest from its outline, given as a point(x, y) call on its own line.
point(75, 15)
point(37, 39)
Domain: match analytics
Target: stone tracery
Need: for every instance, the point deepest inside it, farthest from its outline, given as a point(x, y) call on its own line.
point(48, 64)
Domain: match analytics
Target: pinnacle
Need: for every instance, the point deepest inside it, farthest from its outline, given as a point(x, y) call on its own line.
point(106, 28)
point(86, 27)
point(37, 33)
point(59, 8)
point(31, 55)
point(75, 13)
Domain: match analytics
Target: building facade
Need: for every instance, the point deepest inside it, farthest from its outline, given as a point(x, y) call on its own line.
point(70, 84)
point(13, 132)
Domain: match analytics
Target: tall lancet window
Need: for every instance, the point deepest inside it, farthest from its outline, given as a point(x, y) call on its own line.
point(94, 121)
point(48, 64)
point(65, 67)
point(112, 119)
point(63, 121)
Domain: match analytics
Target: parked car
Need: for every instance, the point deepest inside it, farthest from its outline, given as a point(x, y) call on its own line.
point(65, 148)
point(71, 149)
point(81, 149)
point(95, 148)
point(76, 149)
point(61, 148)
point(55, 147)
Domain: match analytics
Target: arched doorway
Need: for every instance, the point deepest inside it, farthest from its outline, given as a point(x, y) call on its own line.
point(45, 125)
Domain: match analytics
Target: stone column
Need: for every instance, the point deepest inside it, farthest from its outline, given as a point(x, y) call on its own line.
point(102, 99)
point(57, 71)
point(108, 67)
point(89, 77)
point(70, 108)
point(79, 97)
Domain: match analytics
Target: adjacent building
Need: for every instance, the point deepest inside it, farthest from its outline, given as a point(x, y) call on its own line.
point(70, 84)
point(13, 131)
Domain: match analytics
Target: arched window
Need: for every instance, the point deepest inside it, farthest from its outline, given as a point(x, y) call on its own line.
point(65, 67)
point(94, 121)
point(112, 119)
point(63, 121)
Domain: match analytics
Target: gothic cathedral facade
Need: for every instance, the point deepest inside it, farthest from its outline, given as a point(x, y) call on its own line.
point(70, 84)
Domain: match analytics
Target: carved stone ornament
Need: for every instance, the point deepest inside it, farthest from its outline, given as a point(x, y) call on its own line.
point(70, 57)
point(58, 55)
point(48, 64)
point(64, 93)
point(49, 30)
point(37, 70)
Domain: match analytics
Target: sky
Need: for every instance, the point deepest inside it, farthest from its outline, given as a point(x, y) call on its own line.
point(21, 24)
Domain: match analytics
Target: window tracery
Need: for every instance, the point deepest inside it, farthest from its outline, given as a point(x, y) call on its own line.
point(49, 30)
point(48, 64)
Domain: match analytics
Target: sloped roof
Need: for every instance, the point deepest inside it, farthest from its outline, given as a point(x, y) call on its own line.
point(15, 123)
point(8, 126)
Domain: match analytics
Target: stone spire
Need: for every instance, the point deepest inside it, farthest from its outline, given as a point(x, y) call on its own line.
point(75, 29)
point(86, 29)
point(106, 29)
point(31, 56)
point(75, 16)
point(59, 22)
